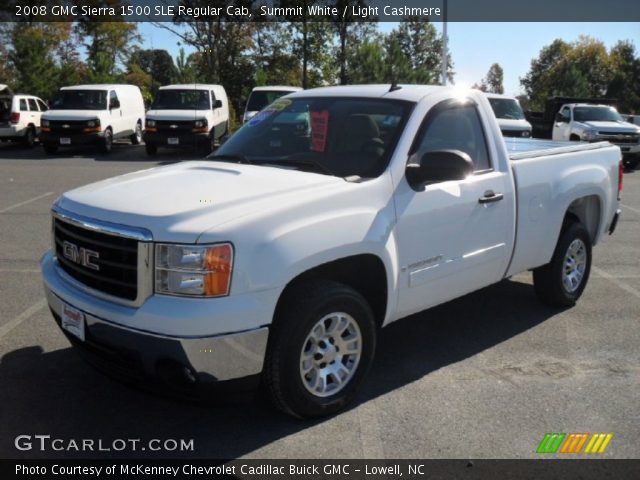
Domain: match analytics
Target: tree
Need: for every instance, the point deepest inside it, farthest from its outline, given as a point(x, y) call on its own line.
point(157, 64)
point(625, 80)
point(494, 79)
point(108, 41)
point(272, 55)
point(414, 53)
point(346, 28)
point(185, 69)
point(367, 63)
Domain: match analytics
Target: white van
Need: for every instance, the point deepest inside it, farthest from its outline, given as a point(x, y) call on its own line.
point(20, 116)
point(192, 115)
point(260, 97)
point(93, 115)
point(510, 116)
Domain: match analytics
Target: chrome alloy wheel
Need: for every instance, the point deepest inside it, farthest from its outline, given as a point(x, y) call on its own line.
point(330, 354)
point(574, 265)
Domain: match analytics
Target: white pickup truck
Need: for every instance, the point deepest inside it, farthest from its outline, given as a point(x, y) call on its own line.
point(597, 123)
point(329, 215)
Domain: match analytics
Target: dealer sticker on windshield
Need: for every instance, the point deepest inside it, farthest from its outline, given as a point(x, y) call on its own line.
point(276, 106)
point(319, 127)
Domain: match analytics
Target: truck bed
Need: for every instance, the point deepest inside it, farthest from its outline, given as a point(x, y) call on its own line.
point(522, 148)
point(548, 176)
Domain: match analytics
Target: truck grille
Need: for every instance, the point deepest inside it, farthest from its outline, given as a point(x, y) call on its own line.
point(70, 127)
point(104, 262)
point(174, 127)
point(620, 137)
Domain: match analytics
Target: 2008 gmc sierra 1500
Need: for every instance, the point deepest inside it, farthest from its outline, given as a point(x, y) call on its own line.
point(330, 214)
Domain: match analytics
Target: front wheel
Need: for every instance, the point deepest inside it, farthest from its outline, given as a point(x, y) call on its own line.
point(136, 138)
point(561, 282)
point(107, 141)
point(321, 347)
point(29, 137)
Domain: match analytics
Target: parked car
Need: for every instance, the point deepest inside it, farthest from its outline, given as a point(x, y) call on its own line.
point(597, 123)
point(20, 116)
point(187, 116)
point(93, 115)
point(510, 115)
point(260, 97)
point(280, 257)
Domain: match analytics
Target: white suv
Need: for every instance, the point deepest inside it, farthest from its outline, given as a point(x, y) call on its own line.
point(20, 116)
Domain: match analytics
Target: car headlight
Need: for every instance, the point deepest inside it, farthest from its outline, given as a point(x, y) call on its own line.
point(526, 133)
point(589, 135)
point(44, 122)
point(93, 123)
point(201, 123)
point(150, 122)
point(193, 270)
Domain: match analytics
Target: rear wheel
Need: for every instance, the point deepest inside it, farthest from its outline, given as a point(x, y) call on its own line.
point(561, 282)
point(321, 347)
point(29, 137)
point(107, 141)
point(136, 138)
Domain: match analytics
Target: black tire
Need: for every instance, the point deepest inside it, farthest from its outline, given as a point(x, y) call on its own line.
point(151, 149)
point(29, 139)
point(107, 142)
point(136, 137)
point(548, 279)
point(574, 138)
point(630, 163)
point(50, 148)
point(302, 310)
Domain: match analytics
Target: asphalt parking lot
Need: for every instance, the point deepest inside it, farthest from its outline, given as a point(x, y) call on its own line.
point(484, 376)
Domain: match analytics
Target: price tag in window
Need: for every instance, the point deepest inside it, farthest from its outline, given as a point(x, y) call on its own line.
point(319, 127)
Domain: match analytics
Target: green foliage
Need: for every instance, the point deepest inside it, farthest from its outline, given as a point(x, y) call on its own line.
point(494, 79)
point(156, 64)
point(584, 68)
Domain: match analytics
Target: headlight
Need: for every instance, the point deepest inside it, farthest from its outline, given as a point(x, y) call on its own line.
point(44, 122)
point(589, 135)
point(201, 123)
point(93, 123)
point(194, 270)
point(526, 134)
point(150, 122)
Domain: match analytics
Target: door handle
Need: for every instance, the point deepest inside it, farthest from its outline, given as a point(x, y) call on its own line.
point(490, 197)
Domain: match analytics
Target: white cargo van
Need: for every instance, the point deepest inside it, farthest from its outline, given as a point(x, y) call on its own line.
point(20, 116)
point(510, 116)
point(93, 115)
point(192, 115)
point(260, 97)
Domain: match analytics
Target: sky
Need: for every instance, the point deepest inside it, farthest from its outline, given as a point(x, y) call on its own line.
point(475, 46)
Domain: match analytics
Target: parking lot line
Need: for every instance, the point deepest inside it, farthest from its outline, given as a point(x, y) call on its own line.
point(627, 288)
point(13, 323)
point(630, 208)
point(4, 210)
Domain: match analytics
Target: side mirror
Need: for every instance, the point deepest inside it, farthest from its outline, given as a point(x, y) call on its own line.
point(114, 104)
point(217, 104)
point(438, 166)
point(560, 118)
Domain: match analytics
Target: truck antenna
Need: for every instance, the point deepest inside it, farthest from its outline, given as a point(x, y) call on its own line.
point(394, 86)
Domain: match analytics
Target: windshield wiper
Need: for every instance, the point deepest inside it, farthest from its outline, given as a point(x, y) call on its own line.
point(230, 158)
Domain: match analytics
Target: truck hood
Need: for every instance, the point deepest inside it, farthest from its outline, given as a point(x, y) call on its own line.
point(176, 114)
point(179, 202)
point(70, 114)
point(513, 124)
point(625, 127)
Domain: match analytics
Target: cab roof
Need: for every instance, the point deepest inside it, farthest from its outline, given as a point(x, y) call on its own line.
point(99, 86)
point(276, 88)
point(411, 93)
point(191, 86)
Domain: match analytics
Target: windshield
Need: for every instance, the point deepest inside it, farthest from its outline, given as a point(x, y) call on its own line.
point(181, 100)
point(336, 136)
point(506, 108)
point(80, 100)
point(596, 114)
point(261, 98)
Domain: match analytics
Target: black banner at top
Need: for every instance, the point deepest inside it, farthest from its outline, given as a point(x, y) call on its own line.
point(322, 10)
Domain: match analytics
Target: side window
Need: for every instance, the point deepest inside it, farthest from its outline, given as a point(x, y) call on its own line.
point(23, 105)
point(566, 113)
point(113, 97)
point(42, 105)
point(33, 106)
point(456, 128)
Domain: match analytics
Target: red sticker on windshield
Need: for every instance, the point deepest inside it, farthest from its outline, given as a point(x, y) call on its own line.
point(319, 127)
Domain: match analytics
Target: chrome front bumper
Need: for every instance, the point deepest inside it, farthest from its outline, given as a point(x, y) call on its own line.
point(189, 360)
